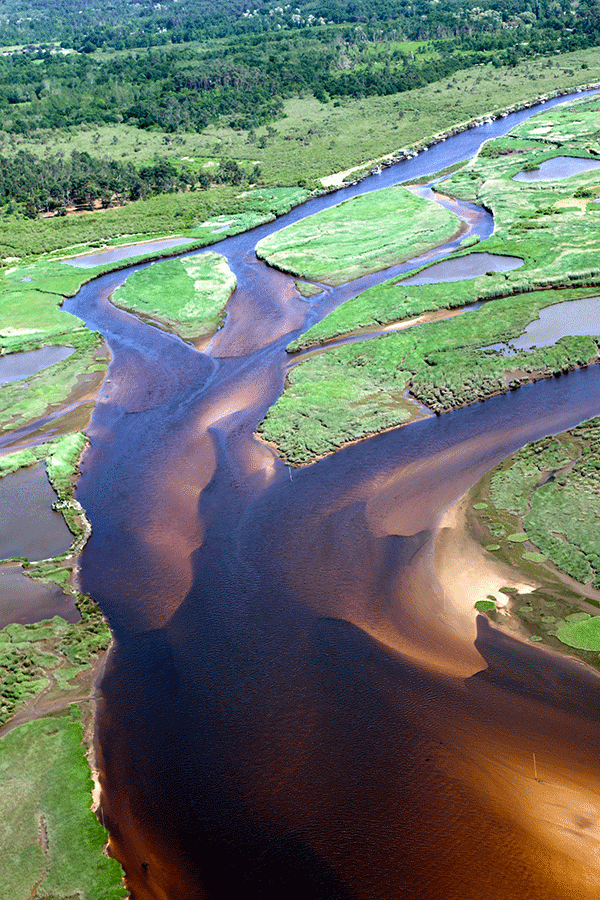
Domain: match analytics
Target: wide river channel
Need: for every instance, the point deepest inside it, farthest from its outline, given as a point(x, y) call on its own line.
point(291, 709)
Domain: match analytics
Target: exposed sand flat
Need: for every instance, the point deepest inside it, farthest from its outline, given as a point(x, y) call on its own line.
point(572, 201)
point(468, 573)
point(337, 179)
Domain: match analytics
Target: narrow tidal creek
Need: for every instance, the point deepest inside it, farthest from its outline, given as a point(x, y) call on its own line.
point(289, 708)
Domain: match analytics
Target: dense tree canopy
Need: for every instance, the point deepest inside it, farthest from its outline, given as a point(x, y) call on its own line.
point(180, 65)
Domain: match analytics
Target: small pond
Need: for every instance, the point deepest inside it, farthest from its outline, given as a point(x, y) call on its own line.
point(25, 601)
point(558, 167)
point(573, 317)
point(28, 524)
point(465, 267)
point(21, 365)
point(117, 253)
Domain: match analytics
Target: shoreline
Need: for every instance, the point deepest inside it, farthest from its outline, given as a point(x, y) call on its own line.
point(536, 376)
point(71, 688)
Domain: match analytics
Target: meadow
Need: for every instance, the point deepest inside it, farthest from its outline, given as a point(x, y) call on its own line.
point(55, 839)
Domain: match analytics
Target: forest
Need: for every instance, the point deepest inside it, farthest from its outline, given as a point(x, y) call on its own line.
point(180, 67)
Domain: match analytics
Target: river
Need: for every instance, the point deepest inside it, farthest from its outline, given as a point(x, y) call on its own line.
point(289, 708)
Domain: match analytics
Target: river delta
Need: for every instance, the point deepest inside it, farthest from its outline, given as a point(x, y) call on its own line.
point(301, 694)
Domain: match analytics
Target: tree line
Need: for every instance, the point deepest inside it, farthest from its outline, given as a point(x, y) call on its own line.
point(245, 80)
point(56, 183)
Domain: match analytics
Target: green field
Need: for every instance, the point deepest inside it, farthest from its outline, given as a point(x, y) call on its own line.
point(184, 295)
point(362, 235)
point(553, 226)
point(51, 842)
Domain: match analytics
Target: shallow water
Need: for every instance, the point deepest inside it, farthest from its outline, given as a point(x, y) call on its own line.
point(28, 525)
point(557, 321)
point(557, 168)
point(21, 365)
point(465, 267)
point(103, 257)
point(287, 708)
point(26, 601)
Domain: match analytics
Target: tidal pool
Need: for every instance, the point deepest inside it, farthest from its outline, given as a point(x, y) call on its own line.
point(28, 525)
point(25, 601)
point(576, 317)
point(558, 167)
point(21, 365)
point(117, 253)
point(464, 267)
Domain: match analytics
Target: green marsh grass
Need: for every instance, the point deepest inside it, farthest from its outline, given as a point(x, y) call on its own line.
point(362, 235)
point(185, 295)
point(51, 840)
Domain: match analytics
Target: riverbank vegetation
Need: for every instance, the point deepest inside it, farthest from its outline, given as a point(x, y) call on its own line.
point(362, 235)
point(310, 139)
point(45, 816)
point(446, 364)
point(548, 495)
point(52, 842)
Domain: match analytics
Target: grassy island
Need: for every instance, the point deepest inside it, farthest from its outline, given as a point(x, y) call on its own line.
point(362, 235)
point(553, 226)
point(184, 295)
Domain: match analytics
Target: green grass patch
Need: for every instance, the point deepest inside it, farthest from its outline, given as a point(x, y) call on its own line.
point(51, 841)
point(532, 556)
point(317, 416)
point(25, 650)
point(583, 634)
point(186, 295)
point(550, 489)
point(307, 290)
point(362, 235)
point(485, 606)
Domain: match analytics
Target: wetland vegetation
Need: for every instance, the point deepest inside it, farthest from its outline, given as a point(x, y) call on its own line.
point(204, 123)
point(186, 295)
point(540, 511)
point(362, 235)
point(47, 668)
point(447, 364)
